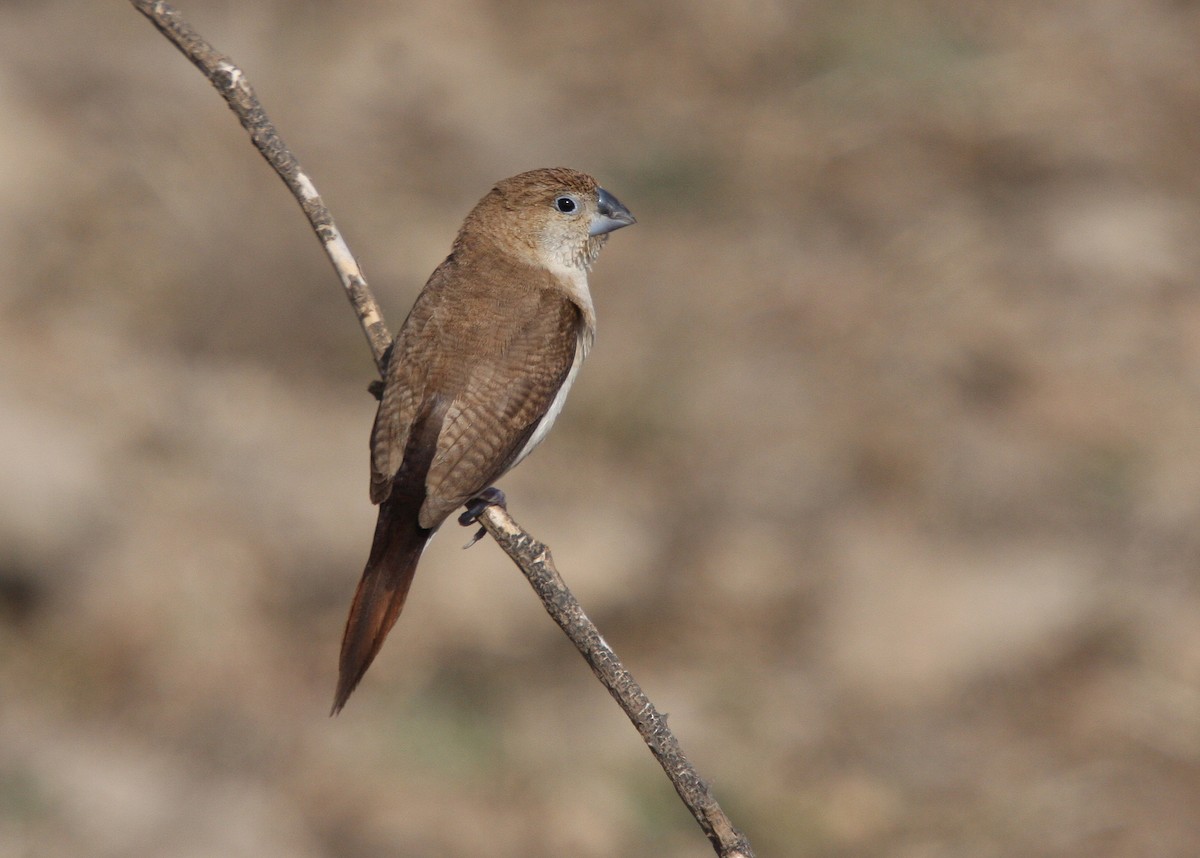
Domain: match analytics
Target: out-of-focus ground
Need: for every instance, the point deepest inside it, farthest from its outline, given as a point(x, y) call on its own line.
point(883, 476)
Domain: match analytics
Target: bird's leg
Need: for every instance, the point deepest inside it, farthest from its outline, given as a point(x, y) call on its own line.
point(491, 496)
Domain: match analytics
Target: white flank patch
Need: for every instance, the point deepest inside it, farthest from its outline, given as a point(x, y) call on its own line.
point(543, 427)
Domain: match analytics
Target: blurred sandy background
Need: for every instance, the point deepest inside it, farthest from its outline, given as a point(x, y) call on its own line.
point(883, 476)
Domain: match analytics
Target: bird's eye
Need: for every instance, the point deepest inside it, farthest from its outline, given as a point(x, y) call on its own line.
point(565, 204)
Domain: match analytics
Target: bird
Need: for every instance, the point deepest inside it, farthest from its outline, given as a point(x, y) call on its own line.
point(476, 377)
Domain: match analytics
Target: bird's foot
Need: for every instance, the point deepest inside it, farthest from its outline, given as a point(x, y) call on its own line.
point(491, 496)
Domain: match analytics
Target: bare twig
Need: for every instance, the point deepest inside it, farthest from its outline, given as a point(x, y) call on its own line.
point(235, 89)
point(531, 556)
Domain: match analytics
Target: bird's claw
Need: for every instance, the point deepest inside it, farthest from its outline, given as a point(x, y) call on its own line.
point(491, 496)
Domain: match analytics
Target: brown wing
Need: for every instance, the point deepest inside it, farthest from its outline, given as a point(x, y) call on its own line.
point(507, 392)
point(412, 361)
point(492, 347)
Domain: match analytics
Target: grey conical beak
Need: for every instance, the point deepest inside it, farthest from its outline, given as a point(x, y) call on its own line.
point(610, 214)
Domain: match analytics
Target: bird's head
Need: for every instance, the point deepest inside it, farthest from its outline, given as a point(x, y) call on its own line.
point(552, 217)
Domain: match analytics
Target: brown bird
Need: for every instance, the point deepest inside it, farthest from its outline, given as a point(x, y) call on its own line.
point(476, 376)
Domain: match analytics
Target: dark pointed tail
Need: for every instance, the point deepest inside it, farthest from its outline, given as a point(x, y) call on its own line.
point(399, 541)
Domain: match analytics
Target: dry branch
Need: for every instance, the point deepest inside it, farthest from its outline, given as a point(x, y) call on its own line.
point(235, 89)
point(531, 556)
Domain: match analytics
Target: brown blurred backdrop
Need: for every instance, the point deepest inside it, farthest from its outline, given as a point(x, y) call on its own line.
point(883, 476)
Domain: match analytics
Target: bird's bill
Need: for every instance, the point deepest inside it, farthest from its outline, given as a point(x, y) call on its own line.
point(610, 214)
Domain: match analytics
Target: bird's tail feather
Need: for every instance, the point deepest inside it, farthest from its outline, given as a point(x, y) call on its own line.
point(399, 541)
